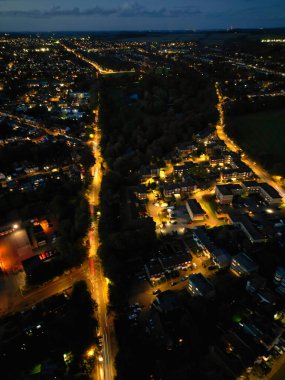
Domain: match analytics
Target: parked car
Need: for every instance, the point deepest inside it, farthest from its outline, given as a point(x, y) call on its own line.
point(278, 349)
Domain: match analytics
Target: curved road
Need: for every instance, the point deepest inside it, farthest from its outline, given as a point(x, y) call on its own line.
point(257, 169)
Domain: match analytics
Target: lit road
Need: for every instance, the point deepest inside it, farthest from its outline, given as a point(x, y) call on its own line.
point(32, 124)
point(257, 169)
point(255, 67)
point(96, 66)
point(36, 295)
point(104, 369)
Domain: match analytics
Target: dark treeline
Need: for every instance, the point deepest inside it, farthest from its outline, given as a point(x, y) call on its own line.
point(244, 105)
point(169, 109)
point(36, 154)
point(72, 328)
point(142, 120)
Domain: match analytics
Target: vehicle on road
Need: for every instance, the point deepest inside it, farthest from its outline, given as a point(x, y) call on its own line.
point(156, 291)
point(184, 278)
point(100, 341)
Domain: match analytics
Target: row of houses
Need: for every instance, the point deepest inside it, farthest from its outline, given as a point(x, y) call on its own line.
point(240, 264)
point(219, 256)
point(266, 191)
point(246, 225)
point(157, 268)
point(241, 172)
point(226, 192)
point(185, 186)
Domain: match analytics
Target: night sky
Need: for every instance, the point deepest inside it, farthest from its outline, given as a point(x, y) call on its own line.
point(73, 15)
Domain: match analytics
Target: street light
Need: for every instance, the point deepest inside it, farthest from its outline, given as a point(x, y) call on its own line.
point(15, 226)
point(90, 352)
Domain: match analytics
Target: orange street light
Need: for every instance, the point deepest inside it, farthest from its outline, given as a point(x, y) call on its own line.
point(90, 352)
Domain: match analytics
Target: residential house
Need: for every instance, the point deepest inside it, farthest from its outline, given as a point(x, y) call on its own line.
point(270, 195)
point(194, 209)
point(183, 150)
point(221, 258)
point(176, 261)
point(187, 184)
point(140, 192)
point(242, 265)
point(243, 221)
point(279, 279)
point(216, 145)
point(241, 173)
point(251, 187)
point(267, 192)
point(154, 270)
point(225, 193)
point(166, 302)
point(171, 189)
point(149, 171)
point(206, 136)
point(199, 285)
point(179, 170)
point(224, 158)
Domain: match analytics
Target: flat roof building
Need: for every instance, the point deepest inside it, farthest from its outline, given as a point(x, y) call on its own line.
point(195, 210)
point(270, 195)
point(242, 265)
point(243, 221)
point(200, 286)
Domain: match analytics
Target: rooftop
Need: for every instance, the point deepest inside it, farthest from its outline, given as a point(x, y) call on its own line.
point(243, 260)
point(201, 283)
point(270, 190)
point(195, 207)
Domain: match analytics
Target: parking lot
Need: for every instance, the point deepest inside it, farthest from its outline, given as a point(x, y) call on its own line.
point(172, 217)
point(143, 291)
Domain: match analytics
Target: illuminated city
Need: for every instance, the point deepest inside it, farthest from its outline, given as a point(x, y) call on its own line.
point(142, 192)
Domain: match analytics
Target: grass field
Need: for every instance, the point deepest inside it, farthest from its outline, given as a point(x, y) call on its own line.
point(262, 136)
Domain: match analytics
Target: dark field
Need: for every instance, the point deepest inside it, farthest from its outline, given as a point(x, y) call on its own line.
point(262, 136)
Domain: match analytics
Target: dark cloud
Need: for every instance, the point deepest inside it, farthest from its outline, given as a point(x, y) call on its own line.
point(125, 10)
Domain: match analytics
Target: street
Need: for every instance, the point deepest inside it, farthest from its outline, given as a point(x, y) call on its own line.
point(96, 66)
point(31, 124)
point(232, 146)
point(103, 369)
point(36, 295)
